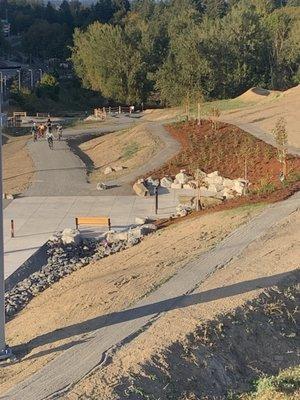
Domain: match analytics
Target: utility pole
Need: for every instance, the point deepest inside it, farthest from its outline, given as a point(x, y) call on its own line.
point(5, 352)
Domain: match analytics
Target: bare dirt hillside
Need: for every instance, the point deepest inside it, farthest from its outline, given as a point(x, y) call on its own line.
point(129, 148)
point(268, 108)
point(18, 167)
point(109, 285)
point(213, 345)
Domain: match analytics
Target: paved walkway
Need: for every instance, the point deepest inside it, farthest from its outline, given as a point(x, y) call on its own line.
point(60, 192)
point(61, 173)
point(36, 218)
point(105, 332)
point(256, 131)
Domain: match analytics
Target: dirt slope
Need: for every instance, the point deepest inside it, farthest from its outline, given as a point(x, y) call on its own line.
point(129, 148)
point(269, 109)
point(109, 285)
point(18, 167)
point(178, 356)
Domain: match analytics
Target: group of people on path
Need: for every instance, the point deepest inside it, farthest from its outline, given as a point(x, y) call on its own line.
point(45, 130)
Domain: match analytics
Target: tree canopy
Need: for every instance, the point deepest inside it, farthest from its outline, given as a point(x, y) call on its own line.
point(182, 49)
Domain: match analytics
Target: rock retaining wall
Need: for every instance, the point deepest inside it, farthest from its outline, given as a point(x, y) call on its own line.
point(67, 252)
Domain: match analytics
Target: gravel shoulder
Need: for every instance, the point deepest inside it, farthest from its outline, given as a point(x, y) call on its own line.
point(124, 278)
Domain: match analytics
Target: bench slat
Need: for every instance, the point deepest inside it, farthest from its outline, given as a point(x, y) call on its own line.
point(93, 220)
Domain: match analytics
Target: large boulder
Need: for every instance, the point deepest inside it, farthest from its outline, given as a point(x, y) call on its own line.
point(108, 170)
point(205, 192)
point(199, 174)
point(240, 186)
point(176, 185)
point(182, 177)
point(213, 178)
point(69, 236)
point(208, 202)
point(166, 182)
point(187, 200)
point(140, 189)
point(228, 183)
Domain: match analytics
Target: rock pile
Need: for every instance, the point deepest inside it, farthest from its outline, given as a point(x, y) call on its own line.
point(67, 252)
point(108, 170)
point(211, 185)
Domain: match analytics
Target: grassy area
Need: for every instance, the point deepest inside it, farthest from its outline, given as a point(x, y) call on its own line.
point(284, 386)
point(222, 105)
point(130, 150)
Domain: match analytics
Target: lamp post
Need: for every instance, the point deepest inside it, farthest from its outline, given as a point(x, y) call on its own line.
point(41, 73)
point(1, 93)
point(5, 352)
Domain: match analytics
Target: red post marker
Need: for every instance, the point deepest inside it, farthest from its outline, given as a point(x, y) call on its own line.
point(12, 228)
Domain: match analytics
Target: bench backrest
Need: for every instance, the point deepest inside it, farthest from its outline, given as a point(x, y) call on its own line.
point(93, 221)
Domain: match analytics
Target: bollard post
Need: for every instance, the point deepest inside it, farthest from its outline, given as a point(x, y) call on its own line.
point(156, 199)
point(120, 110)
point(12, 228)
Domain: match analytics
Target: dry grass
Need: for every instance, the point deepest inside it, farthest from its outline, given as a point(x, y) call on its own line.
point(18, 167)
point(130, 149)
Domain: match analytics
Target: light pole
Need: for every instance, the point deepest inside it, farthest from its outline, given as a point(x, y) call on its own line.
point(5, 352)
point(1, 93)
point(31, 77)
point(41, 73)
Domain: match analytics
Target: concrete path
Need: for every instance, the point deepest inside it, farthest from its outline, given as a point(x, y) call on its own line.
point(259, 133)
point(61, 173)
point(105, 332)
point(60, 192)
point(36, 218)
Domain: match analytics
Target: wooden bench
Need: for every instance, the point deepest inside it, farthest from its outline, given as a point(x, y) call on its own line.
point(95, 221)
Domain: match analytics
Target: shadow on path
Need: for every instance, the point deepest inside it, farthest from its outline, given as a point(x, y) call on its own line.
point(159, 307)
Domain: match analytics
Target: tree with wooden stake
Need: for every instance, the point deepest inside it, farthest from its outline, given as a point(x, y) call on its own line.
point(281, 138)
point(214, 118)
point(200, 100)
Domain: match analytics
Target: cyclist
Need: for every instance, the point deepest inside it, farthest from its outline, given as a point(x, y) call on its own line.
point(49, 137)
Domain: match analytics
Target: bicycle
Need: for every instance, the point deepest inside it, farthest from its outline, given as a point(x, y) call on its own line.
point(50, 143)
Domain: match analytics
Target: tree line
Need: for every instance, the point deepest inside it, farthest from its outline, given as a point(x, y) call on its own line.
point(178, 50)
point(46, 31)
point(166, 51)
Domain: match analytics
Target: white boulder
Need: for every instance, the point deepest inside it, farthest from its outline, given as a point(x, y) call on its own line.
point(182, 177)
point(166, 182)
point(108, 170)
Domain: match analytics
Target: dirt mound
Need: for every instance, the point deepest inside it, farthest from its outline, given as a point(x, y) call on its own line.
point(256, 94)
point(266, 112)
point(129, 149)
point(228, 150)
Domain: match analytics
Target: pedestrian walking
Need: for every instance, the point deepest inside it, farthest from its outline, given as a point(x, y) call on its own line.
point(50, 138)
point(59, 131)
point(34, 131)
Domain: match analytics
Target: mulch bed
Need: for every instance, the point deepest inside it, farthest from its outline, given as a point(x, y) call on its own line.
point(234, 153)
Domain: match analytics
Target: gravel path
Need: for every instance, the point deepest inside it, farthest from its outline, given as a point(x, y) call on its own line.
point(104, 333)
point(61, 173)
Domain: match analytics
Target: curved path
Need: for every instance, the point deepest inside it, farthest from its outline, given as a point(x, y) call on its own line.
point(259, 133)
point(106, 332)
point(61, 173)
